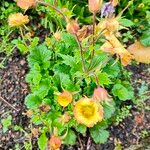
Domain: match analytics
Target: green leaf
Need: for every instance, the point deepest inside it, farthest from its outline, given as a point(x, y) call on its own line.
point(42, 141)
point(126, 22)
point(66, 82)
point(122, 92)
point(104, 79)
point(23, 48)
point(99, 134)
point(40, 55)
point(68, 60)
point(145, 39)
point(34, 76)
point(112, 69)
point(6, 122)
point(81, 128)
point(32, 101)
point(70, 138)
point(98, 61)
point(34, 42)
point(69, 40)
point(43, 88)
point(109, 109)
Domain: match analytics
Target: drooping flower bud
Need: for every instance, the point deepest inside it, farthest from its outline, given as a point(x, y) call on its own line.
point(26, 4)
point(100, 94)
point(95, 6)
point(54, 142)
point(72, 26)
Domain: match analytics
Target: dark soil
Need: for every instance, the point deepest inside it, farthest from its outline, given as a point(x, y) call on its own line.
point(14, 89)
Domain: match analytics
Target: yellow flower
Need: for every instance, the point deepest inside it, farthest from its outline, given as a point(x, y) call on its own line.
point(18, 19)
point(65, 98)
point(26, 4)
point(88, 112)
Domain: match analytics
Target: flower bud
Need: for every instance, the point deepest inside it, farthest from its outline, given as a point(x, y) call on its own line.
point(54, 142)
point(100, 94)
point(72, 26)
point(95, 6)
point(57, 36)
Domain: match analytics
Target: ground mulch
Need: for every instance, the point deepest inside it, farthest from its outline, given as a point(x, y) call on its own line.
point(13, 89)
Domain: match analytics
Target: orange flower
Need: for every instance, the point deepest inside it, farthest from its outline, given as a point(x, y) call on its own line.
point(65, 98)
point(88, 112)
point(54, 143)
point(114, 46)
point(100, 94)
point(95, 6)
point(26, 4)
point(17, 19)
point(72, 26)
point(108, 26)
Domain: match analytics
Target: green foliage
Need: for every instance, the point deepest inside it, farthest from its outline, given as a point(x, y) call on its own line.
point(123, 113)
point(99, 134)
point(109, 109)
point(145, 38)
point(42, 142)
point(123, 91)
point(126, 22)
point(6, 123)
point(70, 138)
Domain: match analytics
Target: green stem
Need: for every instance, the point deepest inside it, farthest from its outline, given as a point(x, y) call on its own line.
point(81, 53)
point(93, 52)
point(53, 7)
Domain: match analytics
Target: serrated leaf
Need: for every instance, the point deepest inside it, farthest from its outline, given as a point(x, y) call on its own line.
point(98, 61)
point(42, 141)
point(32, 101)
point(70, 138)
point(68, 60)
point(104, 78)
point(66, 82)
point(43, 89)
point(99, 135)
point(40, 55)
point(122, 92)
point(81, 128)
point(112, 69)
point(109, 109)
point(126, 22)
point(34, 76)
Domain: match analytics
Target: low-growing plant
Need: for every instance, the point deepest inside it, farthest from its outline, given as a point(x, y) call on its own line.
point(77, 77)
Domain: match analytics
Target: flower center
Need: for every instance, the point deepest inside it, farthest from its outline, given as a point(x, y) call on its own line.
point(88, 111)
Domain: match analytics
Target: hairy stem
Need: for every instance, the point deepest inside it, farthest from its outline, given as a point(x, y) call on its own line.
point(53, 7)
point(81, 52)
point(94, 19)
